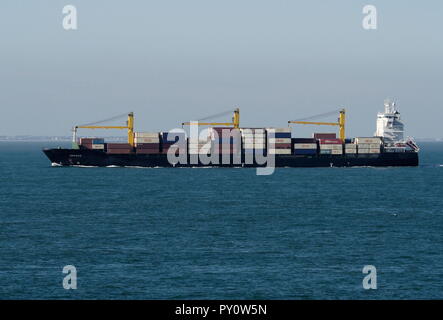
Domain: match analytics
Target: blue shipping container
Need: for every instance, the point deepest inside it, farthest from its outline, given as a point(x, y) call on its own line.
point(280, 135)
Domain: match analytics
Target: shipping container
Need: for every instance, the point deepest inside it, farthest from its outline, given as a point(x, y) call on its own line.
point(279, 146)
point(279, 140)
point(147, 135)
point(304, 140)
point(336, 151)
point(148, 145)
point(319, 136)
point(363, 151)
point(325, 151)
point(92, 141)
point(279, 130)
point(374, 150)
point(254, 141)
point(98, 146)
point(86, 145)
point(369, 140)
point(279, 151)
point(305, 146)
point(146, 140)
point(364, 146)
point(281, 135)
point(330, 141)
point(118, 146)
point(331, 146)
point(351, 151)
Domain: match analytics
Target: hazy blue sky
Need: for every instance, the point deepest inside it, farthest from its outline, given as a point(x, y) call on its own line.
point(171, 61)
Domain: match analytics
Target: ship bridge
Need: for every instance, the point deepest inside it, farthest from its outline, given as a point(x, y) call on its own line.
point(389, 124)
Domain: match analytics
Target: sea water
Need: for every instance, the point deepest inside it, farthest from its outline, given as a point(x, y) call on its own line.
point(164, 233)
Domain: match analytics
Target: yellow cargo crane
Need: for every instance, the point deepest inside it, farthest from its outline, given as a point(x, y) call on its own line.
point(340, 123)
point(235, 120)
point(129, 126)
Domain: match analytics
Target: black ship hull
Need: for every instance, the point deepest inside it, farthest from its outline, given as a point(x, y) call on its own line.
point(86, 157)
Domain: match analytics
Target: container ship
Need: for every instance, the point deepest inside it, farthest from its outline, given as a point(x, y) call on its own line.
point(229, 145)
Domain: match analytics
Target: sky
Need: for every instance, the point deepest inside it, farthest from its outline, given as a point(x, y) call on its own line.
point(171, 61)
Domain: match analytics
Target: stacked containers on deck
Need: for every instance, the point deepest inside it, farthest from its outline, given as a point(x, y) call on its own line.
point(253, 138)
point(93, 143)
point(118, 148)
point(331, 146)
point(174, 137)
point(305, 146)
point(279, 140)
point(230, 144)
point(147, 143)
point(368, 145)
point(350, 147)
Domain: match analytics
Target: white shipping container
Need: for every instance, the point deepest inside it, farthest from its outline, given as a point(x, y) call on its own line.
point(351, 151)
point(331, 147)
point(279, 140)
point(246, 139)
point(350, 146)
point(98, 146)
point(363, 150)
point(253, 138)
point(374, 146)
point(336, 151)
point(146, 140)
point(258, 144)
point(374, 150)
point(279, 151)
point(305, 146)
point(249, 131)
point(363, 140)
point(364, 146)
point(146, 134)
point(283, 130)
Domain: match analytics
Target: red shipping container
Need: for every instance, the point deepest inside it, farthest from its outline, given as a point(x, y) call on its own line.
point(119, 146)
point(148, 145)
point(280, 145)
point(86, 145)
point(330, 141)
point(325, 136)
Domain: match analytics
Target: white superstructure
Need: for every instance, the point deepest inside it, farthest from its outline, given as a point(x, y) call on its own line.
point(389, 124)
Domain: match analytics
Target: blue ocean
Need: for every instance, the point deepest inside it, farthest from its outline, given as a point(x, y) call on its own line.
point(165, 233)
